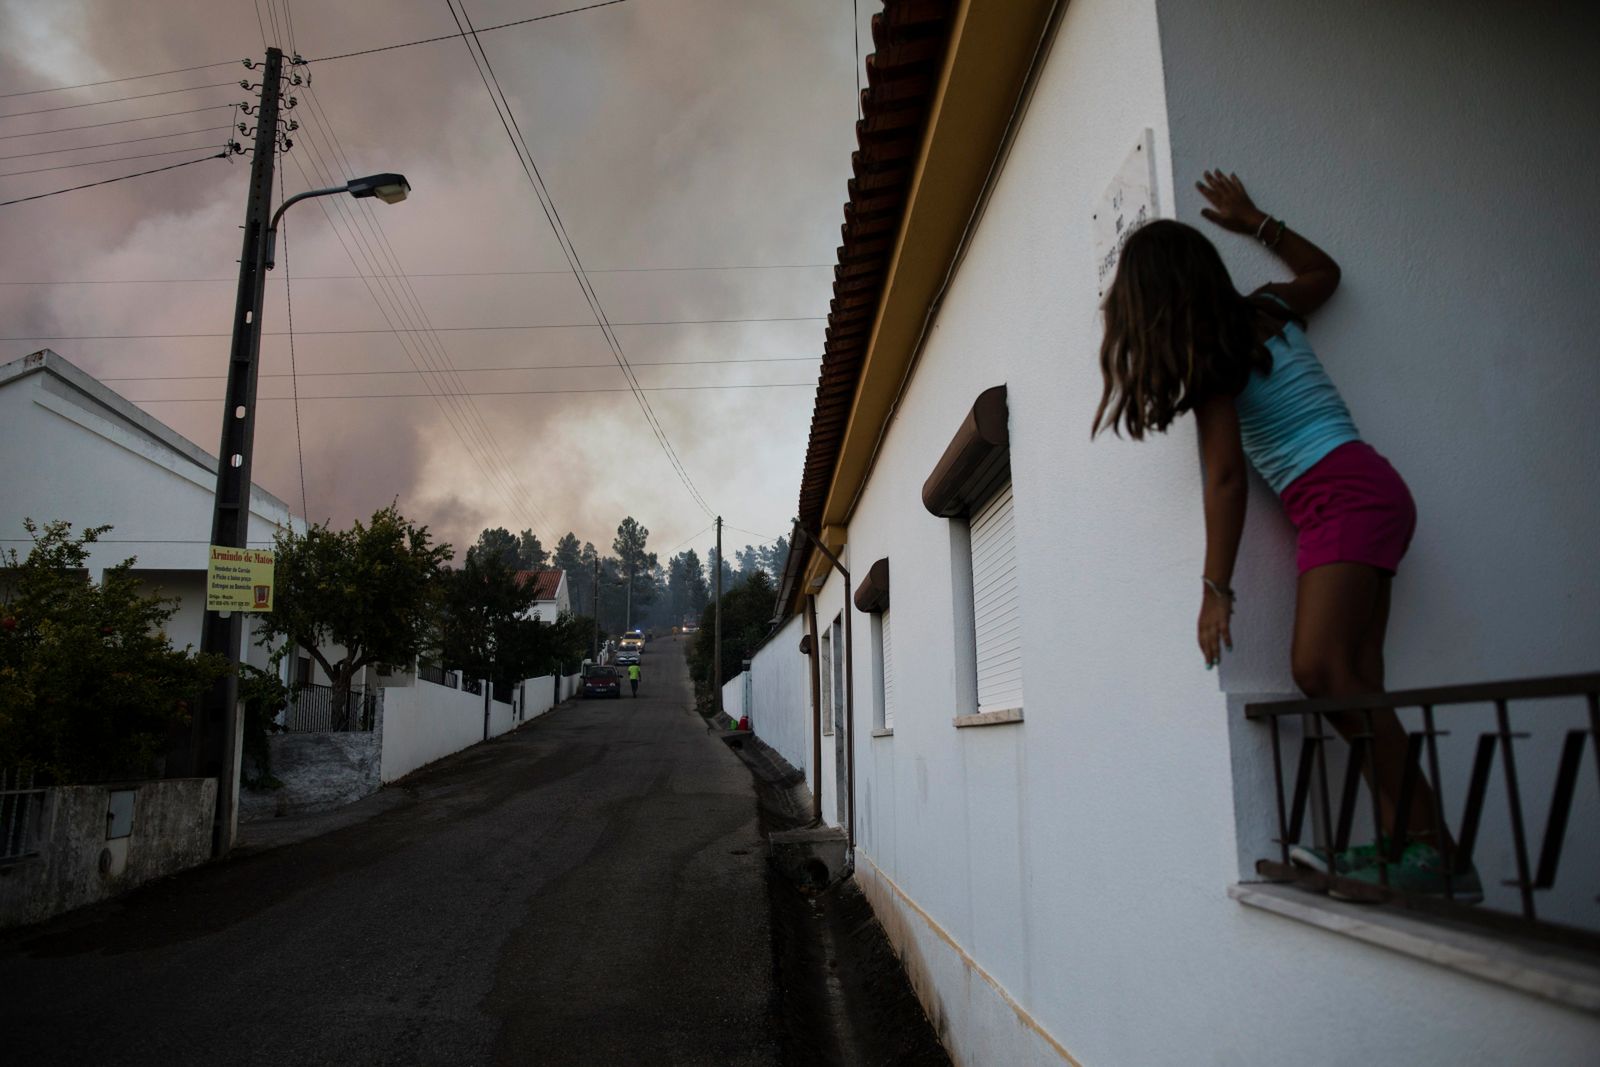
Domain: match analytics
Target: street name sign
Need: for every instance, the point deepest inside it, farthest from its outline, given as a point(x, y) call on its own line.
point(1128, 203)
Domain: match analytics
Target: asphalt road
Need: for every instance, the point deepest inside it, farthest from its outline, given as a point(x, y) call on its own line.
point(586, 890)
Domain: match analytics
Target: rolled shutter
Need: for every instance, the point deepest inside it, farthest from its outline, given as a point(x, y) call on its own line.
point(888, 674)
point(995, 611)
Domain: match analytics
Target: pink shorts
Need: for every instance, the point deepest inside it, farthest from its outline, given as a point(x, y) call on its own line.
point(1351, 507)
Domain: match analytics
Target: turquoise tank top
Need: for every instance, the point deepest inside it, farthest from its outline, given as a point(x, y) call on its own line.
point(1291, 418)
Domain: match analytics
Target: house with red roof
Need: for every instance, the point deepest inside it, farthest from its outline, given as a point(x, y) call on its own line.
point(550, 593)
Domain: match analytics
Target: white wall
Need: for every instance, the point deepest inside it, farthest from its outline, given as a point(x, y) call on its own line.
point(1080, 859)
point(733, 698)
point(780, 693)
point(426, 722)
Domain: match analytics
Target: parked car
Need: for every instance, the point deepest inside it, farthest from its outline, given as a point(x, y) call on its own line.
point(602, 682)
point(627, 657)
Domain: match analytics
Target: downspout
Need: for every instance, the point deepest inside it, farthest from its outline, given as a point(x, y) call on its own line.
point(816, 710)
point(849, 701)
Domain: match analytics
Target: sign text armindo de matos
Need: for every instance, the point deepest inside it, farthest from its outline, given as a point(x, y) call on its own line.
point(239, 579)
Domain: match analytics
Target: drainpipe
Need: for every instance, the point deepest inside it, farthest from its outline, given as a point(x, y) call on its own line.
point(849, 700)
point(816, 710)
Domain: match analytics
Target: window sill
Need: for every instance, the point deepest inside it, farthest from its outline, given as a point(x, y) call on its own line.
point(1543, 971)
point(989, 718)
point(883, 731)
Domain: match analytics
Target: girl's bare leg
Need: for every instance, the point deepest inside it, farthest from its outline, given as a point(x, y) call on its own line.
point(1341, 616)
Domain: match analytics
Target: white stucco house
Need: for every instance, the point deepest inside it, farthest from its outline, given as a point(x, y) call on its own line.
point(1065, 823)
point(76, 450)
point(551, 597)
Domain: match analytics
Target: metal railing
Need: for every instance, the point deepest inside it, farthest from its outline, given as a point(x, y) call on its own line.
point(438, 676)
point(316, 709)
point(21, 811)
point(502, 694)
point(1332, 827)
point(472, 685)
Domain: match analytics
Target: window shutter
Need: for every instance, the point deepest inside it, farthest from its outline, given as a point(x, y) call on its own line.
point(888, 674)
point(995, 613)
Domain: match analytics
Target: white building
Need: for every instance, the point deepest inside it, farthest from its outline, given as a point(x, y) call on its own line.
point(75, 450)
point(1057, 811)
point(550, 596)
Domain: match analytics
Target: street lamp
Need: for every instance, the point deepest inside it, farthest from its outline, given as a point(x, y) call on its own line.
point(390, 188)
point(214, 744)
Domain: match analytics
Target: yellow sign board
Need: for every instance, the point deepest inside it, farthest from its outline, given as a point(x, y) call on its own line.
point(239, 579)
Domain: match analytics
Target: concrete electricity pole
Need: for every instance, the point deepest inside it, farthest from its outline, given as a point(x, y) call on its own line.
point(716, 633)
point(214, 747)
point(594, 622)
point(215, 743)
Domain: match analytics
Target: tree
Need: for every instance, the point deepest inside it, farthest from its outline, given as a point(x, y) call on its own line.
point(90, 686)
point(635, 563)
point(498, 542)
point(686, 586)
point(373, 590)
point(569, 557)
point(746, 621)
point(729, 576)
point(531, 555)
point(749, 559)
point(484, 629)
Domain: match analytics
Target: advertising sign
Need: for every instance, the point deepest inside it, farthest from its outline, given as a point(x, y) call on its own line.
point(239, 579)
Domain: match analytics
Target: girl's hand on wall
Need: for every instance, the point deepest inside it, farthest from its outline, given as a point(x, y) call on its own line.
point(1214, 631)
point(1231, 207)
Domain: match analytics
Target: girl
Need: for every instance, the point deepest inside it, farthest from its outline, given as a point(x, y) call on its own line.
point(1180, 338)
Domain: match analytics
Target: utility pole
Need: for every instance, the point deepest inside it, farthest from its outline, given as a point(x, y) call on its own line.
point(716, 658)
point(628, 627)
point(594, 652)
point(215, 743)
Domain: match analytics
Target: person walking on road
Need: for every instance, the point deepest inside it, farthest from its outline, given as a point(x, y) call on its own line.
point(633, 677)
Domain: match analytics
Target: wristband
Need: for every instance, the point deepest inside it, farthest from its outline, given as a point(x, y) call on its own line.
point(1221, 591)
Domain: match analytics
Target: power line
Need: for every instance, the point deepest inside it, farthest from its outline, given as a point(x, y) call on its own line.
point(294, 381)
point(108, 181)
point(119, 99)
point(453, 36)
point(113, 81)
point(109, 144)
point(519, 368)
point(121, 122)
point(472, 417)
point(431, 274)
point(374, 329)
point(491, 392)
point(97, 162)
point(569, 250)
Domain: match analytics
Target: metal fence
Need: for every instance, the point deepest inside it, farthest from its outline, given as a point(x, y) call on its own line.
point(21, 813)
point(438, 676)
point(316, 709)
point(472, 685)
point(503, 694)
point(1331, 827)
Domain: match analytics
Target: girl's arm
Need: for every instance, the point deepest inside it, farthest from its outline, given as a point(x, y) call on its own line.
point(1226, 490)
point(1316, 275)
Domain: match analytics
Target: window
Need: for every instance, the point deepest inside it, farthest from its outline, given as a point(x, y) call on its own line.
point(885, 671)
point(872, 597)
point(838, 671)
point(996, 625)
point(971, 486)
point(825, 670)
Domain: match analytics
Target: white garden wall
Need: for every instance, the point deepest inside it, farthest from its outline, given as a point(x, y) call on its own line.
point(426, 722)
point(780, 693)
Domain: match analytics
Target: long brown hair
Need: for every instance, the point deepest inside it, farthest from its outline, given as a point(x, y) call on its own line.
point(1176, 331)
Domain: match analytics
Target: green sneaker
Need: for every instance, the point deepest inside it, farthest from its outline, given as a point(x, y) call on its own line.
point(1421, 870)
point(1351, 859)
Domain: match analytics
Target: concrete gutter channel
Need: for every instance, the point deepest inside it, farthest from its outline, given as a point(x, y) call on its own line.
point(840, 993)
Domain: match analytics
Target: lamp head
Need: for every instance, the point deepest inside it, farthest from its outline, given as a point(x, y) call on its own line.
point(390, 188)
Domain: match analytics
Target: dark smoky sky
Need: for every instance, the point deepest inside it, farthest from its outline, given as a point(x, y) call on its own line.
point(670, 133)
